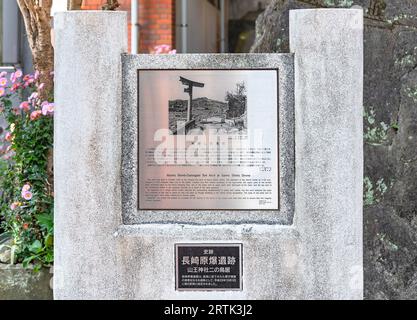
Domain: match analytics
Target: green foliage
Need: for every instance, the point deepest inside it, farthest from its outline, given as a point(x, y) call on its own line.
point(338, 3)
point(26, 204)
point(375, 133)
point(408, 60)
point(373, 192)
point(389, 244)
point(395, 126)
point(412, 93)
point(401, 18)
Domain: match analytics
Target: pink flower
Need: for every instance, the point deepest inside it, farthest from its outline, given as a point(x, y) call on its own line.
point(14, 205)
point(25, 106)
point(15, 86)
point(2, 91)
point(30, 81)
point(35, 114)
point(16, 111)
point(15, 75)
point(3, 81)
point(33, 96)
point(27, 195)
point(41, 86)
point(36, 75)
point(47, 108)
point(8, 136)
point(18, 73)
point(163, 48)
point(2, 74)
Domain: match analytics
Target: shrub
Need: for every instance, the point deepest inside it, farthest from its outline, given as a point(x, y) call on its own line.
point(26, 203)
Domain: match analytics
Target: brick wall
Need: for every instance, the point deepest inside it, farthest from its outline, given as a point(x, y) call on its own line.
point(156, 18)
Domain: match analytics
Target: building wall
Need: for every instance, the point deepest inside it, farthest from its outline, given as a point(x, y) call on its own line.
point(203, 27)
point(156, 20)
point(14, 47)
point(10, 33)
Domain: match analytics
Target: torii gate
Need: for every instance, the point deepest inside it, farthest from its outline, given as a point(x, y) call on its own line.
point(189, 90)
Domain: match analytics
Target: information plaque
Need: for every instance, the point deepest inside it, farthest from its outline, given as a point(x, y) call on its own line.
point(208, 139)
point(202, 266)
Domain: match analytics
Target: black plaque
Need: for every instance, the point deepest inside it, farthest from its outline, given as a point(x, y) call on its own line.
point(214, 266)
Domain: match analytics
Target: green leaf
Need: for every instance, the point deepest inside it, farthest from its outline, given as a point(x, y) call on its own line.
point(27, 261)
point(45, 221)
point(37, 267)
point(36, 246)
point(49, 240)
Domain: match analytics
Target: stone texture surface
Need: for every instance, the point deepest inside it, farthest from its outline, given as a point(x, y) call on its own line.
point(18, 283)
point(390, 81)
point(149, 264)
point(5, 251)
point(87, 161)
point(328, 67)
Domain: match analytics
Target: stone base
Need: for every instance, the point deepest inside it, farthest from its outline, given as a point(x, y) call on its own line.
point(18, 283)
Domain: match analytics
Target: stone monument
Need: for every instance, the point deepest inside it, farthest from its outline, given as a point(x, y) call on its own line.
point(118, 236)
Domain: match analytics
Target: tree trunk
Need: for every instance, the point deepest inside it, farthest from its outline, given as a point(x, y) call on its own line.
point(75, 4)
point(37, 19)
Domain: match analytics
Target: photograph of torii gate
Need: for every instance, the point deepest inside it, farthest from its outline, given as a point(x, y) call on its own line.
point(208, 101)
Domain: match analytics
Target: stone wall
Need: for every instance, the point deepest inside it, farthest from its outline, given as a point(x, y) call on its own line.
point(19, 283)
point(390, 131)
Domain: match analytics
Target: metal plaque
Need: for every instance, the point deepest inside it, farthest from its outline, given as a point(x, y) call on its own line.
point(202, 266)
point(208, 139)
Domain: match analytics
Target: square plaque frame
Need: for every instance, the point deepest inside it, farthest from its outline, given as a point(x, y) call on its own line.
point(284, 65)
